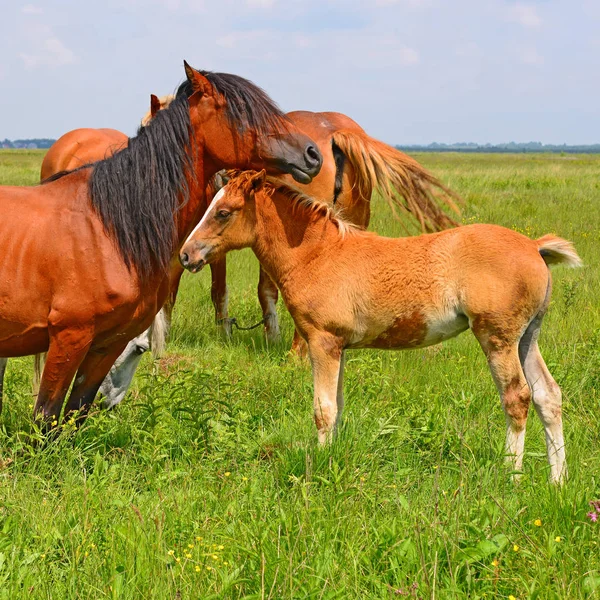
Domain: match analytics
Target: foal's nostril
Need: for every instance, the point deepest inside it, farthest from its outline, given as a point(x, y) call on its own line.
point(313, 155)
point(184, 259)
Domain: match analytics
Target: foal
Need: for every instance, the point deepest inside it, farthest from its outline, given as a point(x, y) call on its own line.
point(347, 288)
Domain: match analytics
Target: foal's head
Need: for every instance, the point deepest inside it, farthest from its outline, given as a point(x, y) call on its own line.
point(241, 127)
point(229, 223)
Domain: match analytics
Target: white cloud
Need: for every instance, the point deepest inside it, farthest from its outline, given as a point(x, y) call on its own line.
point(408, 56)
point(261, 3)
point(53, 53)
point(526, 16)
point(530, 56)
point(30, 9)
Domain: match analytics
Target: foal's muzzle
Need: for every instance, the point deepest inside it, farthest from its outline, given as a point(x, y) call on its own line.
point(191, 259)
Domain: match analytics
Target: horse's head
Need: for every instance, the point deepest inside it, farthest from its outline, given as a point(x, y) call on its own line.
point(229, 223)
point(240, 127)
point(156, 104)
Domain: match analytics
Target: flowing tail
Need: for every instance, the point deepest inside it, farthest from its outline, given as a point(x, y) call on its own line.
point(400, 179)
point(556, 251)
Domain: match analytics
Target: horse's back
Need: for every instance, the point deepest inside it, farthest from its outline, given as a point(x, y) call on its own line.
point(80, 147)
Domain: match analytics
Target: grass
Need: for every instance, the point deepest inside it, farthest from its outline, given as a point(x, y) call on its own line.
point(207, 481)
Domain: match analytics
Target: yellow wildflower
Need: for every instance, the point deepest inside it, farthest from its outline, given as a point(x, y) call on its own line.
point(538, 522)
point(215, 557)
point(244, 478)
point(208, 568)
point(515, 548)
point(197, 569)
point(511, 597)
point(191, 546)
point(188, 555)
point(495, 562)
point(557, 538)
point(171, 552)
point(177, 559)
point(227, 473)
point(198, 538)
point(221, 547)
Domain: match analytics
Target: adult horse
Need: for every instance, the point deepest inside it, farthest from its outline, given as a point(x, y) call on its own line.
point(91, 266)
point(86, 145)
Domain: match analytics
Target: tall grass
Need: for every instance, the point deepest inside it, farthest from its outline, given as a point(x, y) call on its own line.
point(207, 481)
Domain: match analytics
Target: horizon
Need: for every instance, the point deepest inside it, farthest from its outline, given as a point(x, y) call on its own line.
point(408, 71)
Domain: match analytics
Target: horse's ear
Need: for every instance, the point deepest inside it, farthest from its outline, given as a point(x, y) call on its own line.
point(154, 105)
point(257, 181)
point(198, 82)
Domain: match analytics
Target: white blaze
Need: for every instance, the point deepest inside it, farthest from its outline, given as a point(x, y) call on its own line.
point(217, 197)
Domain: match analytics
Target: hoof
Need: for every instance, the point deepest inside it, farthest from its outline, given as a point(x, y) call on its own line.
point(225, 328)
point(272, 329)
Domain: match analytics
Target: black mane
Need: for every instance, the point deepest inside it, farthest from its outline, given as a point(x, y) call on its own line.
point(248, 106)
point(137, 192)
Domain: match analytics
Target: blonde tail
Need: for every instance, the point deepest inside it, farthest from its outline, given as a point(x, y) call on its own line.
point(400, 179)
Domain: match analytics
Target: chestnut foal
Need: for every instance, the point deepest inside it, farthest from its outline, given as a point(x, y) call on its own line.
point(346, 288)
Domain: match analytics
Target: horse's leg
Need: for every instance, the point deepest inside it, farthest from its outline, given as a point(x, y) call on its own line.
point(547, 399)
point(515, 394)
point(3, 362)
point(340, 390)
point(219, 295)
point(67, 350)
point(325, 353)
point(39, 361)
point(267, 296)
point(90, 375)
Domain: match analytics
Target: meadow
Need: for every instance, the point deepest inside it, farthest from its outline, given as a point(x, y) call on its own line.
point(207, 481)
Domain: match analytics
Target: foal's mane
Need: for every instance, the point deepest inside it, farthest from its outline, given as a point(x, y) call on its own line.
point(298, 198)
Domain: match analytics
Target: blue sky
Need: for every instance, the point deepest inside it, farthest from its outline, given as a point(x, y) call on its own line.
point(409, 71)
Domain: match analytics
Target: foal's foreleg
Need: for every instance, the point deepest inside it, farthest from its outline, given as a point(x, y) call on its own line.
point(267, 296)
point(219, 295)
point(516, 396)
point(325, 354)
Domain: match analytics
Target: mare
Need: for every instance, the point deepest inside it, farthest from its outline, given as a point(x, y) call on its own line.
point(347, 288)
point(93, 263)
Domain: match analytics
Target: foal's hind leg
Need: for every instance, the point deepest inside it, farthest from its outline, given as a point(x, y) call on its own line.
point(547, 399)
point(515, 395)
point(219, 296)
point(267, 296)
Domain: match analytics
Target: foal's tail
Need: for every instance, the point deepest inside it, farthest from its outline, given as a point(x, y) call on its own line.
point(159, 332)
point(556, 251)
point(400, 179)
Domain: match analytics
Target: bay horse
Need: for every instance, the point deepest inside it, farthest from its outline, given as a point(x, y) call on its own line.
point(346, 288)
point(90, 267)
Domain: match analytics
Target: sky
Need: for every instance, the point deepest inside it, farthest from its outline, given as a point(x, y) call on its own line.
point(408, 71)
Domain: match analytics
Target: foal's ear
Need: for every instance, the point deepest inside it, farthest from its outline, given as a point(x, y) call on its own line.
point(198, 82)
point(154, 105)
point(257, 181)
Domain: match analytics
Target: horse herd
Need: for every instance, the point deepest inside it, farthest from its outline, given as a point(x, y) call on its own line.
point(90, 276)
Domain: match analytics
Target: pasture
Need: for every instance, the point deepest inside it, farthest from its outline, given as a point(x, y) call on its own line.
point(207, 481)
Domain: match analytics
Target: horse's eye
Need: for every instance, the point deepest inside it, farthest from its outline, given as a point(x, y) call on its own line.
point(223, 213)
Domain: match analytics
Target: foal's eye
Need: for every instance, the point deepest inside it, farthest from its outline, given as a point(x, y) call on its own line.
point(223, 214)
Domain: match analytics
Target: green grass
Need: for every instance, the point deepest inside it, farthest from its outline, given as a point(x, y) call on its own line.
point(215, 448)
